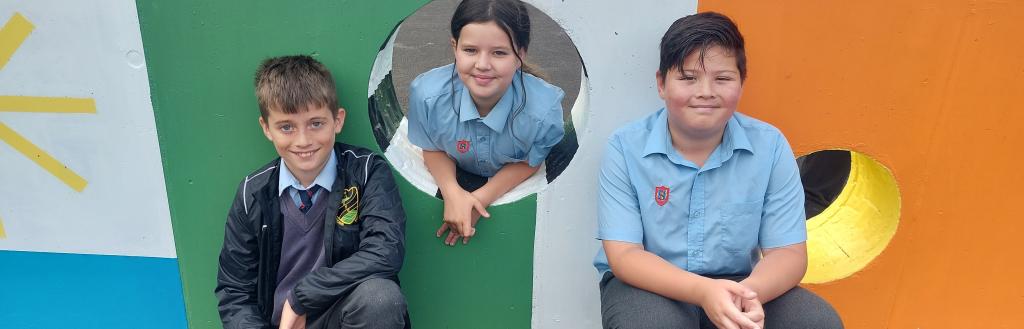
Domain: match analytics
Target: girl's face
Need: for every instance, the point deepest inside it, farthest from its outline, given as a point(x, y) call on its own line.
point(700, 101)
point(486, 63)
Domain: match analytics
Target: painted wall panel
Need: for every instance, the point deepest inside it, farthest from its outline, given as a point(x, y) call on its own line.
point(621, 88)
point(50, 290)
point(91, 51)
point(930, 90)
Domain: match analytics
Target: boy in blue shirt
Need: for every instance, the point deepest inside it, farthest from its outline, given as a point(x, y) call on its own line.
point(316, 236)
point(701, 208)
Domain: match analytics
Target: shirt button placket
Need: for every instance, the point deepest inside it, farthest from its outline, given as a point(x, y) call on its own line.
point(695, 225)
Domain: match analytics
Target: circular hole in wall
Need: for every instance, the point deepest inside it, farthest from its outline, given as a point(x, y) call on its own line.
point(421, 43)
point(853, 206)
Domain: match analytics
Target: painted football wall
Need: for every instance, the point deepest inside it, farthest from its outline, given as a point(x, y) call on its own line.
point(89, 192)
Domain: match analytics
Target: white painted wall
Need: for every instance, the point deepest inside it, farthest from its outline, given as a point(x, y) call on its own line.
point(618, 41)
point(84, 49)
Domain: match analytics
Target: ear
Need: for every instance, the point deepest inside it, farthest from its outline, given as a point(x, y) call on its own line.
point(661, 83)
point(454, 43)
point(266, 129)
point(339, 120)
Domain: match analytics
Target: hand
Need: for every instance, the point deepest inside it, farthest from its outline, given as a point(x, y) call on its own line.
point(460, 208)
point(290, 320)
point(719, 301)
point(753, 310)
point(452, 237)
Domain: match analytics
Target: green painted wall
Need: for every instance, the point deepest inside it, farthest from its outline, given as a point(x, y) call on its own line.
point(201, 56)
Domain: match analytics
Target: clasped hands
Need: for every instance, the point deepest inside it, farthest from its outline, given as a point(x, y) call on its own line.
point(731, 305)
point(462, 210)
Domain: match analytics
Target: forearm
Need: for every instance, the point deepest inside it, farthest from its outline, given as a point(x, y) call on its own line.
point(779, 270)
point(507, 178)
point(642, 269)
point(442, 168)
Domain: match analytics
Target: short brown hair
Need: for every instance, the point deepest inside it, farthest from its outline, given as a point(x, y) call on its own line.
point(293, 83)
point(698, 33)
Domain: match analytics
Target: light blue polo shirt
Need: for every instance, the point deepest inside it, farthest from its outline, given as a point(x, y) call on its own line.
point(442, 117)
point(325, 179)
point(710, 220)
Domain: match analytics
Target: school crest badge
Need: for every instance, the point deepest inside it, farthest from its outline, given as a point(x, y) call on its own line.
point(661, 195)
point(462, 146)
point(349, 208)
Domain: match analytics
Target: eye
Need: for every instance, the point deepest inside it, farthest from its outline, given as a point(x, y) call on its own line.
point(724, 78)
point(500, 53)
point(469, 50)
point(316, 124)
point(687, 77)
point(286, 128)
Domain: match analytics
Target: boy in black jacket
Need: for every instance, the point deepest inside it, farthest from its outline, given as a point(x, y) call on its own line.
point(317, 235)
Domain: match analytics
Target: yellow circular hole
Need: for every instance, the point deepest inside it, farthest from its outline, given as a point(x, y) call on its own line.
point(855, 228)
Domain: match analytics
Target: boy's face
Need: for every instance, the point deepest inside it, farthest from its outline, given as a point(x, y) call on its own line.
point(485, 61)
point(304, 140)
point(700, 101)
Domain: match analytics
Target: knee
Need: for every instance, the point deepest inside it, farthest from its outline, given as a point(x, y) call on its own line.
point(381, 297)
point(825, 317)
point(624, 307)
point(801, 308)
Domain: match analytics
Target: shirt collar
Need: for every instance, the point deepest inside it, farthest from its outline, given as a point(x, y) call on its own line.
point(660, 140)
point(325, 179)
point(499, 114)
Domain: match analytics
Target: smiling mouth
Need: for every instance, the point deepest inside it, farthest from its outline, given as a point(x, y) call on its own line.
point(482, 79)
point(305, 155)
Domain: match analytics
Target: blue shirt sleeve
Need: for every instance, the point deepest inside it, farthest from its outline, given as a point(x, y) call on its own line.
point(618, 209)
point(549, 132)
point(783, 221)
point(418, 117)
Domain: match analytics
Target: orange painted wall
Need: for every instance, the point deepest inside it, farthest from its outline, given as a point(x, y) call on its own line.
point(932, 90)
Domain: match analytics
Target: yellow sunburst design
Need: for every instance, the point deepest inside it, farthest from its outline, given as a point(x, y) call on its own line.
point(14, 32)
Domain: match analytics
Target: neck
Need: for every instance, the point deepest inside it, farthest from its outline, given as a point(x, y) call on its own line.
point(695, 146)
point(484, 107)
point(307, 179)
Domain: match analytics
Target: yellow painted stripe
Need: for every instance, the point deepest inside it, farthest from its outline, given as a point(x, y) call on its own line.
point(11, 36)
point(47, 104)
point(42, 158)
point(2, 234)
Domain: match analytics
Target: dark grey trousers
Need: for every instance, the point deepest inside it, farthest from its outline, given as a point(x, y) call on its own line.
point(624, 306)
point(375, 303)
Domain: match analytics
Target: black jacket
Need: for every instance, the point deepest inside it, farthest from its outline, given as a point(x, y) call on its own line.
point(370, 247)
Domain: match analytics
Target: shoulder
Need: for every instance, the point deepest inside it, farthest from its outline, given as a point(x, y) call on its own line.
point(761, 134)
point(542, 91)
point(258, 180)
point(358, 163)
point(431, 83)
point(262, 177)
point(543, 100)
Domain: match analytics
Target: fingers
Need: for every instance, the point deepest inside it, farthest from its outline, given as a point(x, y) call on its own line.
point(467, 229)
point(753, 309)
point(442, 229)
point(451, 238)
point(724, 323)
point(740, 319)
point(481, 209)
point(741, 290)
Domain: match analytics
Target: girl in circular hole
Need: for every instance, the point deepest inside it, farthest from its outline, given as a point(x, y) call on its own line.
point(486, 122)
